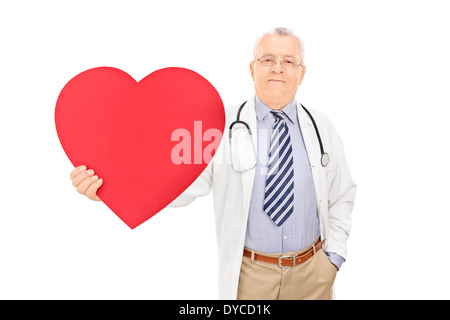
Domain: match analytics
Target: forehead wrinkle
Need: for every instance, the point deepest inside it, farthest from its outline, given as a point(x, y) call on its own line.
point(296, 55)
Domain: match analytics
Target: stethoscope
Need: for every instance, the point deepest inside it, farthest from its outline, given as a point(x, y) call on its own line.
point(324, 159)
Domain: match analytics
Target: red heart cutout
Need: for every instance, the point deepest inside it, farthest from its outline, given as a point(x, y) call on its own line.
point(135, 134)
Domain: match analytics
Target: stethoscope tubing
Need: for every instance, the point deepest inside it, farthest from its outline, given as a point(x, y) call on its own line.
point(324, 159)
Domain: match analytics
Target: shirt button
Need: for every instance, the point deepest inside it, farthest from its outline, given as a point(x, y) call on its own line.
point(285, 237)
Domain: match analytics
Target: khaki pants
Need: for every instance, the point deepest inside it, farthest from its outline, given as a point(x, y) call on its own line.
point(311, 280)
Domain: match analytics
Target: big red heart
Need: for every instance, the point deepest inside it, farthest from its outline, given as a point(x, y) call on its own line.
point(124, 130)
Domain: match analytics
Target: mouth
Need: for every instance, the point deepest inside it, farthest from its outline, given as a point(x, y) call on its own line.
point(276, 80)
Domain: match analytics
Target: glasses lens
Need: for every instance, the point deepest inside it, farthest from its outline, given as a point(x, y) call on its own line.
point(267, 60)
point(289, 62)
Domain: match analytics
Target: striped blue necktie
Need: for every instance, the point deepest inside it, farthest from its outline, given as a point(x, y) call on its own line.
point(279, 192)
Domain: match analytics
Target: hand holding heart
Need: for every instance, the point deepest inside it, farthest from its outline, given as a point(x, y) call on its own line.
point(86, 182)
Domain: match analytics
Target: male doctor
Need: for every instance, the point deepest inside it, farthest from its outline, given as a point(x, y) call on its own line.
point(282, 224)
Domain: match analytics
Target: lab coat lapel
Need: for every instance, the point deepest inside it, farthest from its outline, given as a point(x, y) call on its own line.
point(308, 133)
point(249, 115)
point(312, 148)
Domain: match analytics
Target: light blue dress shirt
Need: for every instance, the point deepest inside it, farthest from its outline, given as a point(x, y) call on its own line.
point(302, 228)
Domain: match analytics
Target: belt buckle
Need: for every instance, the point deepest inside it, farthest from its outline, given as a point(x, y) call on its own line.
point(286, 257)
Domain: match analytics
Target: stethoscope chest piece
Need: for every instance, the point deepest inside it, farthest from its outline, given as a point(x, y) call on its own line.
point(324, 159)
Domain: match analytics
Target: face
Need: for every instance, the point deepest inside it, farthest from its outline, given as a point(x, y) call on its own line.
point(277, 85)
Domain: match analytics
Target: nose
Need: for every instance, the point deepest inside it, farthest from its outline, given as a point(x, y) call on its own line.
point(277, 67)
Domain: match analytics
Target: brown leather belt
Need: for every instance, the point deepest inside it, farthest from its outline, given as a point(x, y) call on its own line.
point(287, 261)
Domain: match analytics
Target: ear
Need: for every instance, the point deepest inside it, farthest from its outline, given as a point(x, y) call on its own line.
point(252, 66)
point(303, 71)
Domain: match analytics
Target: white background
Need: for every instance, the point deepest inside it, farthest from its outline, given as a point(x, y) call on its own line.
point(379, 69)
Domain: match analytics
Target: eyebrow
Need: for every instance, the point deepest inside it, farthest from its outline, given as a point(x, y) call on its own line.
point(272, 55)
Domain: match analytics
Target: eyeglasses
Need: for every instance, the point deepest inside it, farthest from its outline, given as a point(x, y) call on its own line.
point(269, 61)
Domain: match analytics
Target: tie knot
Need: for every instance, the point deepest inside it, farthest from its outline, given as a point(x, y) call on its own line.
point(279, 115)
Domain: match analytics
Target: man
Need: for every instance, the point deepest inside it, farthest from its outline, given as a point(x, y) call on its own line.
point(282, 226)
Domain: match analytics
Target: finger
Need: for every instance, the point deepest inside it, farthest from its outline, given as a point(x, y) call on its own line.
point(76, 171)
point(81, 177)
point(91, 191)
point(84, 185)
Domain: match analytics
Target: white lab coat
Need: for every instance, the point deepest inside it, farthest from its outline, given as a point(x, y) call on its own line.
point(334, 188)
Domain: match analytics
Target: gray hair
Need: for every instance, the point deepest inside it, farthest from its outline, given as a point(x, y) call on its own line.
point(282, 32)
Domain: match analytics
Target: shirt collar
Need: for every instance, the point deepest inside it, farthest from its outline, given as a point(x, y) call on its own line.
point(263, 110)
